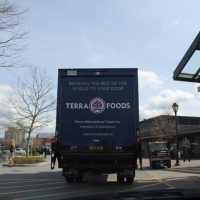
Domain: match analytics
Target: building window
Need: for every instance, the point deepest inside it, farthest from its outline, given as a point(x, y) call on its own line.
point(184, 121)
point(194, 122)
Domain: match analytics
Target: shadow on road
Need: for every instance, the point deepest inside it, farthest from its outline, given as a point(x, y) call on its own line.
point(39, 175)
point(191, 170)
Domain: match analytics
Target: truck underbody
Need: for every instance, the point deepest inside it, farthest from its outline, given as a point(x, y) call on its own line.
point(97, 120)
point(75, 164)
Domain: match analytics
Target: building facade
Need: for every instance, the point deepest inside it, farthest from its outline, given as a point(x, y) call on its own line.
point(163, 128)
point(45, 141)
point(16, 134)
point(2, 143)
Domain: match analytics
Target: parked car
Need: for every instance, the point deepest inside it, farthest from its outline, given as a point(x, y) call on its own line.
point(5, 151)
point(20, 151)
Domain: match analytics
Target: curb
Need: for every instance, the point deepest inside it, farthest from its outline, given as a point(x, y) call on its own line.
point(30, 165)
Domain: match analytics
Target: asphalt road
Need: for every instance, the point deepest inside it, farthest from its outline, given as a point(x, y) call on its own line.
point(39, 182)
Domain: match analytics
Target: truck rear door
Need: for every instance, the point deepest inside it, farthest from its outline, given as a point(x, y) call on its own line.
point(97, 108)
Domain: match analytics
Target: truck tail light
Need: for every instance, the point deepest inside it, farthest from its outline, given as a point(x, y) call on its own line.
point(130, 166)
point(138, 140)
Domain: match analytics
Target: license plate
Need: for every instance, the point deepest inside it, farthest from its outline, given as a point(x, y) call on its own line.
point(96, 148)
point(124, 173)
point(71, 172)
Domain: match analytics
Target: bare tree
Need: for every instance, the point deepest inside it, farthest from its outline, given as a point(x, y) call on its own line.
point(164, 127)
point(12, 34)
point(164, 124)
point(33, 102)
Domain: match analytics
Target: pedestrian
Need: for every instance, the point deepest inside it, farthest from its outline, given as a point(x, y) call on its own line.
point(140, 158)
point(11, 154)
point(45, 152)
point(139, 151)
point(171, 152)
point(184, 153)
point(189, 152)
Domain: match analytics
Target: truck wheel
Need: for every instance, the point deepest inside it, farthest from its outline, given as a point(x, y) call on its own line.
point(129, 179)
point(69, 179)
point(79, 178)
point(153, 166)
point(169, 165)
point(120, 179)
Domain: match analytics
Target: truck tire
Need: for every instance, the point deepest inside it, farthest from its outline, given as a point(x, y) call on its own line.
point(79, 178)
point(153, 166)
point(169, 165)
point(129, 180)
point(69, 179)
point(150, 163)
point(120, 179)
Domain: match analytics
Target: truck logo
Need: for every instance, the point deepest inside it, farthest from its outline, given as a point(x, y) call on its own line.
point(97, 105)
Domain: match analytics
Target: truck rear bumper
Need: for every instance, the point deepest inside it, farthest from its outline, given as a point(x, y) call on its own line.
point(99, 162)
point(96, 156)
point(98, 167)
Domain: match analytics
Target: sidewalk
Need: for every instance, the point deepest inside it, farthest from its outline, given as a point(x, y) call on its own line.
point(46, 162)
point(192, 163)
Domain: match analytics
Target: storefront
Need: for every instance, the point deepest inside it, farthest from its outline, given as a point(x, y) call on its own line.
point(162, 128)
point(189, 70)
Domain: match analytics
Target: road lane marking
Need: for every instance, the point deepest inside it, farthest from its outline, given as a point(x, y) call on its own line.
point(162, 181)
point(18, 186)
point(17, 181)
point(140, 187)
point(55, 194)
point(42, 196)
point(189, 171)
point(35, 190)
point(154, 179)
point(26, 181)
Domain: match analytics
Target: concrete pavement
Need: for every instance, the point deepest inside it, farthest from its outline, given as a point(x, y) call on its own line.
point(192, 163)
point(46, 162)
point(145, 163)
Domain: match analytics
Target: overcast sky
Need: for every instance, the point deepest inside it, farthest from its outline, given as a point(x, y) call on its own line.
point(151, 35)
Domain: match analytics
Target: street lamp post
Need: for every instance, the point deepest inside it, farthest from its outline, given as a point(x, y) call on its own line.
point(175, 109)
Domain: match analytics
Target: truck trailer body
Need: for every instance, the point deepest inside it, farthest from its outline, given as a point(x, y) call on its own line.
point(97, 122)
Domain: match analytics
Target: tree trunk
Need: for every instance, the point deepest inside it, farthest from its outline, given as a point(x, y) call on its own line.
point(28, 141)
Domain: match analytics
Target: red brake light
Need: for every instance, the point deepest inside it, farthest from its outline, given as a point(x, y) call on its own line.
point(57, 139)
point(138, 140)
